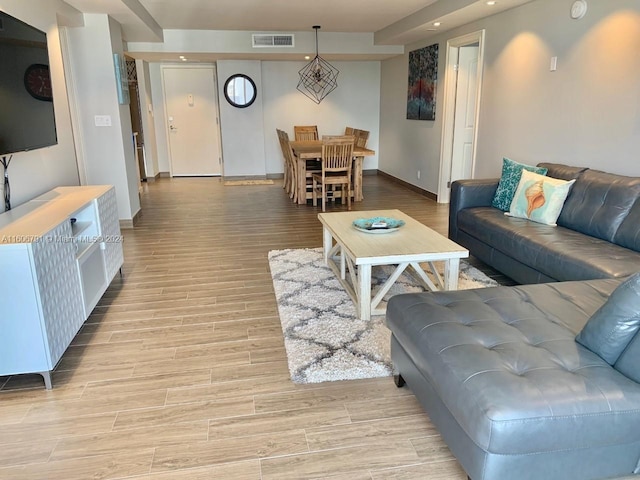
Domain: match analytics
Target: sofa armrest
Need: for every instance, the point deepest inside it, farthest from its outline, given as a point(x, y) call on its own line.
point(467, 194)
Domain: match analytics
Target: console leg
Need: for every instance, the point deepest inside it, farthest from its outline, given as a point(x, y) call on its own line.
point(121, 274)
point(398, 380)
point(47, 380)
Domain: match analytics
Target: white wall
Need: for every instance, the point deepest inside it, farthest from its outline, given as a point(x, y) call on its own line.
point(250, 145)
point(159, 117)
point(242, 128)
point(237, 44)
point(32, 173)
point(109, 153)
point(355, 103)
point(407, 146)
point(586, 113)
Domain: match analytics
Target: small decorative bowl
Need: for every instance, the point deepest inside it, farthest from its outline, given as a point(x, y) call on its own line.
point(377, 224)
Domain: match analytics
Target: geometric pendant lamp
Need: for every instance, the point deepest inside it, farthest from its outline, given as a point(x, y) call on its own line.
point(318, 78)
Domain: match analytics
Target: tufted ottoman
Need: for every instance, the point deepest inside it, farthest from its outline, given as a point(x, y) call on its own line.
point(512, 393)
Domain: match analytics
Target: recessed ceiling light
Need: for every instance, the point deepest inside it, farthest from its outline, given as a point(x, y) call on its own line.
point(307, 57)
point(491, 2)
point(181, 57)
point(436, 24)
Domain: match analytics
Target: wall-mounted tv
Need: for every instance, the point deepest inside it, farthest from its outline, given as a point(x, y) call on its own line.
point(27, 120)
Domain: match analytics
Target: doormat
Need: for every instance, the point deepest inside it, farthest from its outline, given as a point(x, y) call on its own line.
point(247, 182)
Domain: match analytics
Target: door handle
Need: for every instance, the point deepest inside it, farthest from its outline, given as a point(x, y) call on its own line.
point(172, 128)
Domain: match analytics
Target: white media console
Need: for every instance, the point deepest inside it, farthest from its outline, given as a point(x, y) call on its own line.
point(58, 254)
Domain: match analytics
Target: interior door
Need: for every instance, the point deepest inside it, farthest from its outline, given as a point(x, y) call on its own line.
point(192, 121)
point(465, 113)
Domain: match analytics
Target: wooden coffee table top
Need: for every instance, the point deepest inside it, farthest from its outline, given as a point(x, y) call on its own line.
point(412, 242)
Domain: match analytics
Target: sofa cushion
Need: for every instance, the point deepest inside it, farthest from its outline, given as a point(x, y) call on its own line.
point(511, 172)
point(598, 203)
point(505, 363)
point(611, 328)
point(539, 198)
point(564, 172)
point(628, 234)
point(628, 362)
point(556, 252)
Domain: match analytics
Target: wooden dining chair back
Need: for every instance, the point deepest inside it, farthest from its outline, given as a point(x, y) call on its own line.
point(337, 160)
point(361, 137)
point(290, 166)
point(308, 132)
point(348, 130)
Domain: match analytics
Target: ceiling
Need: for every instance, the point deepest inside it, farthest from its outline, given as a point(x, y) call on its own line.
point(397, 22)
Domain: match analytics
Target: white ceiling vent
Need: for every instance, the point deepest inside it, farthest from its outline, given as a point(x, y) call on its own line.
point(262, 40)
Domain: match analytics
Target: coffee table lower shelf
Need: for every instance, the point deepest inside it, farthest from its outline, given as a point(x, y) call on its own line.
point(356, 278)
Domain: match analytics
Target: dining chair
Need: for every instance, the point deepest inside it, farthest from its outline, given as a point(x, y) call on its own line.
point(361, 137)
point(290, 166)
point(348, 130)
point(337, 160)
point(308, 132)
point(311, 166)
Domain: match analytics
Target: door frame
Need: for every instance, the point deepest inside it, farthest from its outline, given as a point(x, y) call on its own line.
point(216, 98)
point(450, 81)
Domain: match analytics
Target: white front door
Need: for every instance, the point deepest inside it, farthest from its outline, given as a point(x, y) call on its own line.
point(465, 113)
point(192, 120)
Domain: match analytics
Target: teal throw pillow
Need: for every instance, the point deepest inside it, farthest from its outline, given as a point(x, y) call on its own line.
point(539, 198)
point(612, 327)
point(511, 172)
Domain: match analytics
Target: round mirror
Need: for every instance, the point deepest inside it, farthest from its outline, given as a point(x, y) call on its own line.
point(239, 90)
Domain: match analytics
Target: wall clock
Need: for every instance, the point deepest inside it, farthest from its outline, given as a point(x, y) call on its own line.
point(578, 9)
point(37, 82)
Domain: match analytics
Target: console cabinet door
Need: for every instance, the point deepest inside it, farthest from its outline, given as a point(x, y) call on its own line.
point(110, 230)
point(22, 341)
point(58, 281)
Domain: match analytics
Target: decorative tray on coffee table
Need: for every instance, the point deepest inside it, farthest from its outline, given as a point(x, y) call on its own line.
point(378, 225)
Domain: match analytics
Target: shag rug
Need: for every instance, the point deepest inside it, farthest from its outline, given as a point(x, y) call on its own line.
point(230, 183)
point(323, 338)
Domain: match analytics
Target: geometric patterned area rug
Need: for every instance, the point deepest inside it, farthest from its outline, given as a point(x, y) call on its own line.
point(323, 338)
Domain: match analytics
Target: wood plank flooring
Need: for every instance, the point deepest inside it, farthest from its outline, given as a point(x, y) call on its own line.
point(181, 372)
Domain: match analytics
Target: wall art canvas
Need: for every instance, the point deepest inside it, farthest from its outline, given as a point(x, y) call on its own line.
point(423, 77)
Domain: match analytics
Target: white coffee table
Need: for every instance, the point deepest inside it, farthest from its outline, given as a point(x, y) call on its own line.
point(348, 250)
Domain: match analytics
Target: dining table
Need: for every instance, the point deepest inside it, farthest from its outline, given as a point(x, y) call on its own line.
point(305, 150)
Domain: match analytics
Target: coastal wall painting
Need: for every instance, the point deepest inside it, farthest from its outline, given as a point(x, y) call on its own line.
point(423, 77)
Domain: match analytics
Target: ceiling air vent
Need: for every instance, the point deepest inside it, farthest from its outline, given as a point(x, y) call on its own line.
point(261, 40)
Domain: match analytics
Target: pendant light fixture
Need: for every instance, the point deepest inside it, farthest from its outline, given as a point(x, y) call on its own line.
point(318, 78)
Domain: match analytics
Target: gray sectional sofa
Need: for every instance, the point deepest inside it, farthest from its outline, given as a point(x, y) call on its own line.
point(499, 371)
point(598, 232)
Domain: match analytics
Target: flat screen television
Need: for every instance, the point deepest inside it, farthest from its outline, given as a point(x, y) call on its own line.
point(27, 120)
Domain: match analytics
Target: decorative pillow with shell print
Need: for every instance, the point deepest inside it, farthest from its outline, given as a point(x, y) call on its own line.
point(539, 198)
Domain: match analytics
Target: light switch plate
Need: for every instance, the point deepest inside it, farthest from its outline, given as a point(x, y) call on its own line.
point(102, 120)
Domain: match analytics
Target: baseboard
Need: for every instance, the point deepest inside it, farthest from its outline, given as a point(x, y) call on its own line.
point(136, 217)
point(164, 174)
point(154, 178)
point(129, 224)
point(370, 172)
point(275, 176)
point(126, 224)
point(410, 186)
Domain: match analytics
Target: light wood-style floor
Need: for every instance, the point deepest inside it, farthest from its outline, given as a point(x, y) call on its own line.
point(181, 372)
